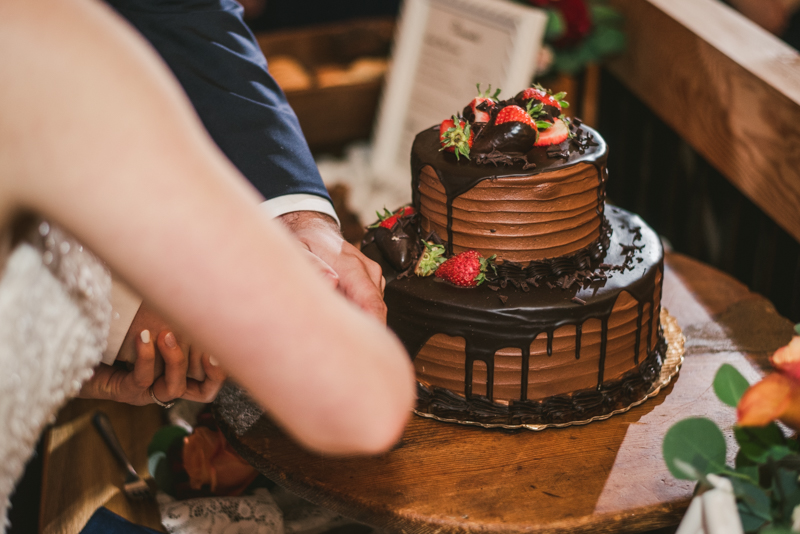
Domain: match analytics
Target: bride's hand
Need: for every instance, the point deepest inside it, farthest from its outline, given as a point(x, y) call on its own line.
point(112, 382)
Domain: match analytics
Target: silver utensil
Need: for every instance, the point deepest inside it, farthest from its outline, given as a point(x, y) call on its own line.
point(134, 486)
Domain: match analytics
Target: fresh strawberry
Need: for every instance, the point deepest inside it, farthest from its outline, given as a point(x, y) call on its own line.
point(432, 257)
point(557, 133)
point(485, 96)
point(467, 269)
point(405, 211)
point(387, 219)
point(456, 136)
point(514, 114)
point(540, 94)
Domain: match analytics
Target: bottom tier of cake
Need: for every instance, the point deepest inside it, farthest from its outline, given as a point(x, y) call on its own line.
point(525, 350)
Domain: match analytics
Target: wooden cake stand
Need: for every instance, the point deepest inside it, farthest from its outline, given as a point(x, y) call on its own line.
point(604, 477)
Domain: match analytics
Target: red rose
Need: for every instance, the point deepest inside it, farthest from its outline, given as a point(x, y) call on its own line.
point(578, 19)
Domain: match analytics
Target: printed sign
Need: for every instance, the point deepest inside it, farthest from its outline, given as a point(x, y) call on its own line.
point(442, 50)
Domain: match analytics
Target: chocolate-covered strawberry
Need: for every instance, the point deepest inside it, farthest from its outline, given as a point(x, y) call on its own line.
point(478, 111)
point(513, 130)
point(552, 105)
point(387, 219)
point(456, 136)
point(556, 133)
point(400, 246)
point(466, 269)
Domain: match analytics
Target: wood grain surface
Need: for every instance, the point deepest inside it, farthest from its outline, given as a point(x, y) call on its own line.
point(604, 477)
point(81, 475)
point(726, 86)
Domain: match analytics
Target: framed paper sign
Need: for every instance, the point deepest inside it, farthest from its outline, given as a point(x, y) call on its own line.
point(443, 48)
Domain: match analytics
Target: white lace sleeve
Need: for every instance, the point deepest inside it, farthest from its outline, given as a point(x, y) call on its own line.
point(54, 315)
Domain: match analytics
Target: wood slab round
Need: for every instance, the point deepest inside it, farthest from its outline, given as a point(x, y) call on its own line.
point(604, 477)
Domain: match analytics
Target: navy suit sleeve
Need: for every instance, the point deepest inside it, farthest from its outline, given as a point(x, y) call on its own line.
point(218, 62)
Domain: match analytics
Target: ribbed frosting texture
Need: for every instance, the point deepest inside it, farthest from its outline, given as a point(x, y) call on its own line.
point(518, 218)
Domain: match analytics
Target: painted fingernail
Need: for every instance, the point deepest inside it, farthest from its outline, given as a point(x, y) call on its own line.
point(145, 336)
point(213, 361)
point(170, 341)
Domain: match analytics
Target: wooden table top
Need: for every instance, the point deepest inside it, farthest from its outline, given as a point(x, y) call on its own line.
point(79, 473)
point(605, 477)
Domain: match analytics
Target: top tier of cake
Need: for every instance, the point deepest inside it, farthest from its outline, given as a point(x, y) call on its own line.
point(545, 204)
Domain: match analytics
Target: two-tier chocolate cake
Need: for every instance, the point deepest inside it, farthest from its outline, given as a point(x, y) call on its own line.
point(521, 296)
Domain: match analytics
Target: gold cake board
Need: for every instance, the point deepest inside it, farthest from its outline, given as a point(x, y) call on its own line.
point(672, 363)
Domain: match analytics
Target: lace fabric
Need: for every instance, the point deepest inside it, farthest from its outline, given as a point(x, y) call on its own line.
point(256, 514)
point(275, 511)
point(54, 317)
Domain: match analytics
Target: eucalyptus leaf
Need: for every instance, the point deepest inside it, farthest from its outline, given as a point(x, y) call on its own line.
point(797, 329)
point(753, 505)
point(689, 470)
point(730, 385)
point(787, 491)
point(698, 442)
point(750, 522)
point(743, 461)
point(747, 471)
point(760, 443)
point(753, 496)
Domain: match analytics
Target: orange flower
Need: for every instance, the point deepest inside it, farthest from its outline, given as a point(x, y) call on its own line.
point(777, 396)
point(787, 359)
point(209, 459)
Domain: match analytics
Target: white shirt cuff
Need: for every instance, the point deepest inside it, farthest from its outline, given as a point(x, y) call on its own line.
point(299, 202)
point(124, 305)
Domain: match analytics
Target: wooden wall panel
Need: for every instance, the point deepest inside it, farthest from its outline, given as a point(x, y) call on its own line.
point(729, 88)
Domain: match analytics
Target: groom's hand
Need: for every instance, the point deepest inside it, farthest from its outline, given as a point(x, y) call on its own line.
point(359, 278)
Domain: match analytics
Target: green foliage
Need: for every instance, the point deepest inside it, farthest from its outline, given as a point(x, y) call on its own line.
point(698, 442)
point(602, 42)
point(730, 385)
point(766, 477)
point(164, 438)
point(605, 38)
point(797, 329)
point(157, 461)
point(753, 503)
point(556, 25)
point(787, 490)
point(775, 529)
point(604, 15)
point(759, 444)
